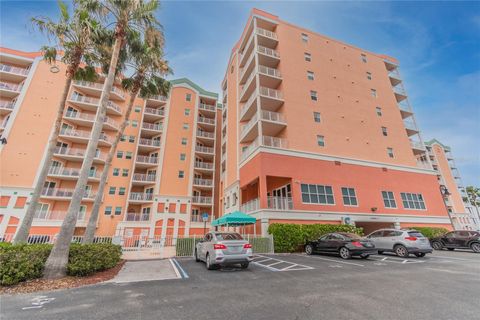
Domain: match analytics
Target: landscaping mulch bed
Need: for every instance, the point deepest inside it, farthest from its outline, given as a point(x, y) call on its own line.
point(63, 283)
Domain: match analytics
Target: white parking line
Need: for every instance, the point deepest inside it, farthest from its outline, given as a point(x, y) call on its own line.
point(291, 266)
point(395, 260)
point(332, 260)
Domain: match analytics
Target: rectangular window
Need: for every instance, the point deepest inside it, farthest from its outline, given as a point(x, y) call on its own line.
point(181, 174)
point(321, 141)
point(128, 155)
point(138, 109)
point(182, 156)
point(313, 95)
point(307, 56)
point(184, 141)
point(310, 75)
point(118, 211)
point(390, 152)
point(363, 57)
point(4, 201)
point(134, 123)
point(123, 138)
point(384, 131)
point(108, 211)
point(317, 194)
point(119, 154)
point(369, 75)
point(373, 92)
point(185, 126)
point(413, 201)
point(125, 173)
point(116, 172)
point(388, 199)
point(379, 111)
point(188, 97)
point(187, 111)
point(121, 191)
point(305, 37)
point(349, 197)
point(316, 117)
point(20, 202)
point(131, 139)
point(112, 190)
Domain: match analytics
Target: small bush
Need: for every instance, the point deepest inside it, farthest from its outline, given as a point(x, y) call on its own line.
point(85, 259)
point(431, 232)
point(292, 237)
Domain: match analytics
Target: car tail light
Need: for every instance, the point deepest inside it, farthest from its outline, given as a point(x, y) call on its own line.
point(219, 247)
point(411, 238)
point(247, 246)
point(357, 244)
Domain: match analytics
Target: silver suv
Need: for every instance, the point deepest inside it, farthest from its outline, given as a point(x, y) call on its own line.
point(401, 242)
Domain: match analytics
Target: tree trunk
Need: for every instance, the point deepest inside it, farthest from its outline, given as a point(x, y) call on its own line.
point(56, 264)
point(92, 221)
point(24, 229)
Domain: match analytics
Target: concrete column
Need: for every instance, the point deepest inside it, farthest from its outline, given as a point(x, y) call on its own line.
point(262, 191)
point(264, 227)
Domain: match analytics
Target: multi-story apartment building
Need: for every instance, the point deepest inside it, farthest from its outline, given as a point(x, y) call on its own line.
point(161, 179)
point(463, 214)
point(319, 131)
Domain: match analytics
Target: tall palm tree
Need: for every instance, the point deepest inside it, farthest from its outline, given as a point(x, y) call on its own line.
point(73, 38)
point(473, 195)
point(126, 16)
point(148, 69)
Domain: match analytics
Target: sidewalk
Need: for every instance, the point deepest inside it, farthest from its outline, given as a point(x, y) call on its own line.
point(135, 271)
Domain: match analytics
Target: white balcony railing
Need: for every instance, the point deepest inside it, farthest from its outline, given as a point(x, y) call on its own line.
point(152, 126)
point(268, 52)
point(138, 217)
point(205, 120)
point(141, 177)
point(273, 116)
point(274, 142)
point(246, 151)
point(198, 218)
point(65, 193)
point(205, 134)
point(140, 196)
point(249, 125)
point(202, 199)
point(203, 182)
point(410, 125)
point(76, 152)
point(75, 133)
point(203, 165)
point(71, 172)
point(12, 69)
point(204, 149)
point(247, 104)
point(417, 145)
point(98, 86)
point(280, 203)
point(394, 74)
point(269, 71)
point(56, 215)
point(250, 206)
point(149, 142)
point(159, 98)
point(147, 159)
point(404, 106)
point(271, 93)
point(207, 107)
point(88, 117)
point(266, 33)
point(10, 86)
point(7, 105)
point(156, 112)
point(95, 101)
point(399, 89)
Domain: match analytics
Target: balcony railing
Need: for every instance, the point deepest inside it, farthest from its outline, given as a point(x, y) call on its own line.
point(271, 93)
point(56, 215)
point(159, 98)
point(266, 33)
point(140, 177)
point(7, 105)
point(202, 199)
point(75, 133)
point(71, 172)
point(149, 142)
point(10, 86)
point(12, 69)
point(76, 152)
point(205, 120)
point(423, 164)
point(399, 90)
point(247, 104)
point(404, 106)
point(394, 73)
point(410, 125)
point(156, 112)
point(250, 148)
point(269, 71)
point(114, 106)
point(204, 149)
point(246, 85)
point(95, 101)
point(140, 196)
point(147, 159)
point(249, 125)
point(280, 203)
point(274, 142)
point(273, 116)
point(203, 182)
point(65, 193)
point(268, 52)
point(250, 206)
point(152, 126)
point(203, 165)
point(89, 117)
point(98, 86)
point(205, 134)
point(138, 217)
point(207, 107)
point(417, 145)
point(198, 218)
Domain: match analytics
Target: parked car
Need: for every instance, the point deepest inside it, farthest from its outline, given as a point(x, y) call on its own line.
point(401, 242)
point(461, 239)
point(343, 243)
point(222, 249)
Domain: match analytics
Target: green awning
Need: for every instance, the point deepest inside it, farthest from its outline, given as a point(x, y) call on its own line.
point(236, 218)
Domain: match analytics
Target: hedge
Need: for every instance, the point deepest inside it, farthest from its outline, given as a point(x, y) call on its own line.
point(292, 237)
point(431, 232)
point(26, 261)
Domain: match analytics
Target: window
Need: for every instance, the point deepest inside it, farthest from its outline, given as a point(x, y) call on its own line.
point(369, 75)
point(123, 138)
point(125, 173)
point(384, 131)
point(121, 191)
point(412, 201)
point(118, 211)
point(116, 172)
point(373, 92)
point(316, 117)
point(313, 95)
point(305, 37)
point(108, 211)
point(185, 126)
point(363, 57)
point(112, 190)
point(187, 111)
point(317, 194)
point(349, 197)
point(134, 123)
point(310, 75)
point(128, 155)
point(119, 154)
point(182, 156)
point(184, 141)
point(321, 141)
point(20, 202)
point(388, 199)
point(181, 174)
point(390, 152)
point(41, 211)
point(379, 111)
point(138, 109)
point(131, 139)
point(307, 56)
point(188, 97)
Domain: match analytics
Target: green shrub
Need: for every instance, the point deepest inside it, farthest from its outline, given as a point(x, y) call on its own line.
point(22, 262)
point(431, 232)
point(260, 245)
point(292, 237)
point(85, 259)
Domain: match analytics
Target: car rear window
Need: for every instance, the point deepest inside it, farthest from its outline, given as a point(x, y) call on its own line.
point(228, 236)
point(415, 234)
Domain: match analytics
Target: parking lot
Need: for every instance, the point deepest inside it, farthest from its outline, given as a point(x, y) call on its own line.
point(443, 285)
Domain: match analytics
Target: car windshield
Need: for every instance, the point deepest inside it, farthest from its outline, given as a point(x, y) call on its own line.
point(228, 236)
point(415, 234)
point(351, 235)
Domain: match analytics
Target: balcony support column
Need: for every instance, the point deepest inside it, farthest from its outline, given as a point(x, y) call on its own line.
point(262, 192)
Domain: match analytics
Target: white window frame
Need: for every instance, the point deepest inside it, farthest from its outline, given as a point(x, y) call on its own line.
point(320, 140)
point(389, 199)
point(412, 200)
point(310, 75)
point(349, 197)
point(317, 194)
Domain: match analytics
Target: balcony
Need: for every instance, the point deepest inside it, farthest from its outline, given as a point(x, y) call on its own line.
point(198, 218)
point(405, 109)
point(270, 99)
point(91, 104)
point(158, 98)
point(411, 127)
point(250, 206)
point(204, 150)
point(11, 73)
point(400, 93)
point(146, 161)
point(151, 129)
point(268, 57)
point(78, 136)
point(250, 130)
point(202, 201)
point(55, 215)
point(95, 89)
point(6, 107)
point(9, 90)
point(87, 119)
point(247, 68)
point(248, 150)
point(203, 183)
point(274, 142)
point(137, 217)
point(417, 147)
point(273, 123)
point(206, 121)
point(140, 197)
point(203, 166)
point(205, 134)
point(207, 108)
point(269, 77)
point(394, 76)
point(248, 88)
point(152, 114)
point(266, 37)
point(247, 50)
point(143, 179)
point(280, 203)
point(147, 145)
point(65, 194)
point(71, 173)
point(77, 155)
point(249, 108)
point(424, 165)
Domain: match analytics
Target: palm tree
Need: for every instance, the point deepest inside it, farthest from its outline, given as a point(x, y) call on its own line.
point(473, 195)
point(147, 80)
point(74, 38)
point(126, 16)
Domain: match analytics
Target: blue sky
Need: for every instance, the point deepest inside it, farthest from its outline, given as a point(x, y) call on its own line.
point(437, 44)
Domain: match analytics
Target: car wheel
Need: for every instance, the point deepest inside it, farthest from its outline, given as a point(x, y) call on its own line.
point(345, 253)
point(437, 245)
point(196, 256)
point(208, 263)
point(401, 251)
point(475, 247)
point(244, 265)
point(420, 254)
point(364, 256)
point(380, 252)
point(451, 249)
point(308, 249)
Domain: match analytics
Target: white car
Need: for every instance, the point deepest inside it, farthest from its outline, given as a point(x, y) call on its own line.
point(401, 242)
